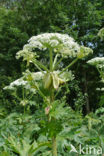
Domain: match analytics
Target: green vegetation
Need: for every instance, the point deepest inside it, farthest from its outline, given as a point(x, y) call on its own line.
point(52, 77)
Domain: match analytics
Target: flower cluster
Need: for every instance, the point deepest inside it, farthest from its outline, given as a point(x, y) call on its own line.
point(18, 82)
point(97, 61)
point(101, 33)
point(60, 43)
point(84, 51)
point(35, 76)
point(27, 55)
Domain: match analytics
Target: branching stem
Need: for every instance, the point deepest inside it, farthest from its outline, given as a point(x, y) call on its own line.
point(67, 67)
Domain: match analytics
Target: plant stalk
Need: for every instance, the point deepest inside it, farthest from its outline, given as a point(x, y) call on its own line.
point(74, 61)
point(54, 144)
point(51, 60)
point(54, 147)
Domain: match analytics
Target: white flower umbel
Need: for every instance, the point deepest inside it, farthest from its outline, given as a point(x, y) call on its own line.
point(101, 33)
point(97, 61)
point(18, 82)
point(24, 81)
point(84, 51)
point(60, 43)
point(26, 54)
point(36, 76)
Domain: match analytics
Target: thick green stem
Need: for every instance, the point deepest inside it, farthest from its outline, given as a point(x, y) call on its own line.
point(74, 61)
point(54, 144)
point(42, 95)
point(40, 66)
point(54, 147)
point(58, 63)
point(51, 60)
point(23, 99)
point(55, 60)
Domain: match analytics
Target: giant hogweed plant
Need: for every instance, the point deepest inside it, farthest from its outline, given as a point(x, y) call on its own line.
point(50, 75)
point(98, 62)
